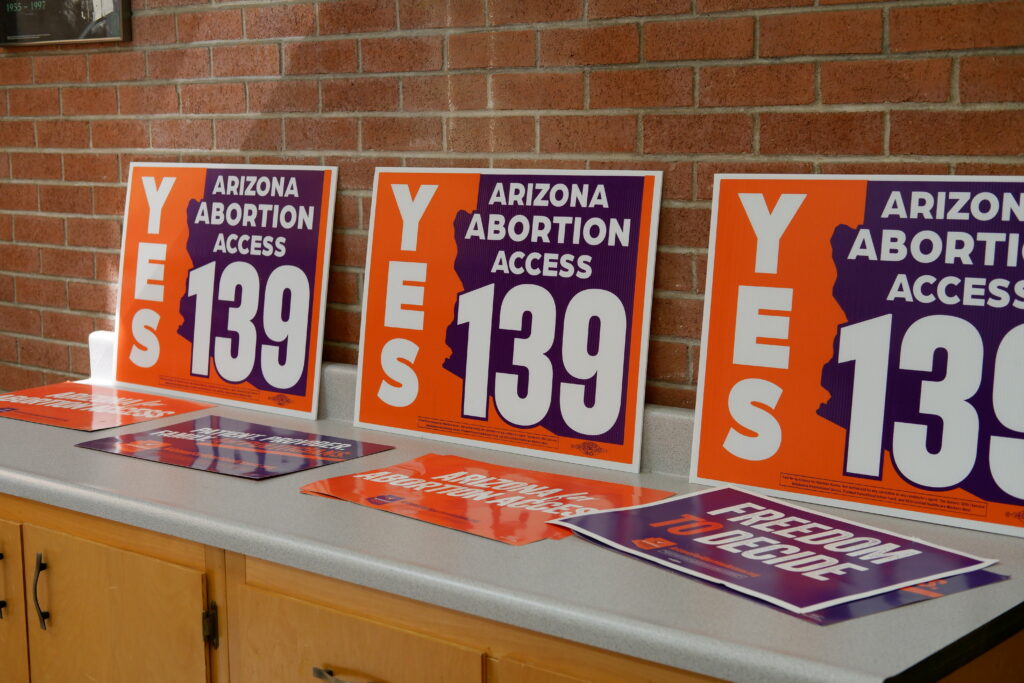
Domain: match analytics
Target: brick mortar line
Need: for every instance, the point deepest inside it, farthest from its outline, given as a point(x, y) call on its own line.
point(686, 251)
point(668, 384)
point(31, 336)
point(22, 366)
point(539, 69)
point(755, 46)
point(809, 9)
point(43, 368)
point(54, 214)
point(103, 251)
point(816, 85)
point(692, 362)
point(25, 335)
point(748, 110)
point(955, 80)
point(66, 309)
point(584, 14)
point(106, 251)
point(670, 339)
point(551, 68)
point(61, 247)
point(581, 24)
point(631, 157)
point(300, 40)
point(886, 43)
point(62, 183)
point(678, 296)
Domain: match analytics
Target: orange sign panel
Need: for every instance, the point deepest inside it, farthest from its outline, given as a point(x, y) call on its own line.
point(505, 504)
point(87, 408)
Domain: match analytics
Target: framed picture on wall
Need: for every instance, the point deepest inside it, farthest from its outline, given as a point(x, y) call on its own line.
point(39, 22)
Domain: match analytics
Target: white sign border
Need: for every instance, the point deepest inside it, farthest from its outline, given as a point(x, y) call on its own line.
point(324, 274)
point(959, 522)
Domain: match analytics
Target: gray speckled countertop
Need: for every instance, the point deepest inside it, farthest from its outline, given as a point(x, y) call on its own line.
point(567, 588)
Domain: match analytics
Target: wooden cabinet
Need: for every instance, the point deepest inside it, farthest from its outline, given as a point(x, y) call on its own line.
point(283, 622)
point(509, 670)
point(83, 603)
point(282, 639)
point(125, 605)
point(112, 615)
point(13, 637)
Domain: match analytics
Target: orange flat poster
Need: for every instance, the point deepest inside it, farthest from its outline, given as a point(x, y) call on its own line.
point(223, 273)
point(510, 309)
point(505, 504)
point(86, 407)
point(864, 345)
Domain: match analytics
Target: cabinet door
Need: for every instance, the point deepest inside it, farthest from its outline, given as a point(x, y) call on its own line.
point(511, 671)
point(13, 641)
point(115, 615)
point(282, 639)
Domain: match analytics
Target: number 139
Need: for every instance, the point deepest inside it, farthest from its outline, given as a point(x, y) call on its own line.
point(604, 366)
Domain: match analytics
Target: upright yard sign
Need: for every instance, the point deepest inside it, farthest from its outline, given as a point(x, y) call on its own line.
point(510, 309)
point(223, 272)
point(864, 344)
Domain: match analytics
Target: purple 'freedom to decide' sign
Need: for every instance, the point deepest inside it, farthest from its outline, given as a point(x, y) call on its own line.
point(786, 555)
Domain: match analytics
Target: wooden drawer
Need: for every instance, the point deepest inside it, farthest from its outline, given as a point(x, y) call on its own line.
point(281, 639)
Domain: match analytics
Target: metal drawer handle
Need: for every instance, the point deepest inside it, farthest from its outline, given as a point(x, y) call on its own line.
point(327, 674)
point(40, 568)
point(3, 603)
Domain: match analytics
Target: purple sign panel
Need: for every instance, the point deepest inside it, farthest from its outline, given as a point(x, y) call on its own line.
point(583, 262)
point(908, 595)
point(936, 268)
point(235, 447)
point(270, 238)
point(786, 555)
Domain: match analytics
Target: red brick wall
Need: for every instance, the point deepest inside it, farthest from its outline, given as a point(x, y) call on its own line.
point(691, 87)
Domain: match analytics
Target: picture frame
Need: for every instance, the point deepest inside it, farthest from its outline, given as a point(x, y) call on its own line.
point(50, 22)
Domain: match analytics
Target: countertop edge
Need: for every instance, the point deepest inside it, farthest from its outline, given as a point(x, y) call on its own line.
point(704, 655)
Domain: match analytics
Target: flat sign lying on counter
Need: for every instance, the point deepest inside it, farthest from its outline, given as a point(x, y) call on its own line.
point(908, 595)
point(506, 504)
point(88, 408)
point(510, 309)
point(786, 555)
point(864, 345)
point(235, 447)
point(223, 272)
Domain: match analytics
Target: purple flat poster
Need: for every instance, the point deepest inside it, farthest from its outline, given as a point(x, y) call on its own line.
point(873, 604)
point(234, 447)
point(786, 555)
point(908, 595)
